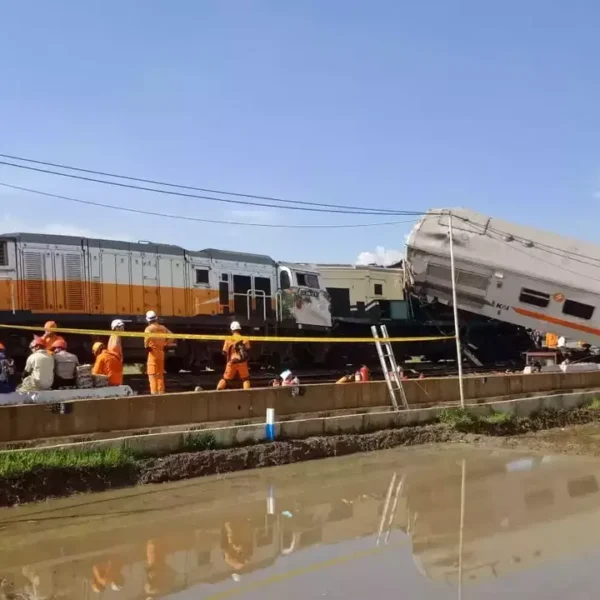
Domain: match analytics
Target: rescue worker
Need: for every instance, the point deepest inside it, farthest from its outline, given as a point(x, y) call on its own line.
point(39, 368)
point(237, 352)
point(114, 341)
point(107, 364)
point(7, 372)
point(50, 337)
point(155, 347)
point(65, 366)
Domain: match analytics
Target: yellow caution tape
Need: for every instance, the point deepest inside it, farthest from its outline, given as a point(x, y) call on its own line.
point(222, 337)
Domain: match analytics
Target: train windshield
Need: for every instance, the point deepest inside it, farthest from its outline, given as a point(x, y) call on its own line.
point(307, 280)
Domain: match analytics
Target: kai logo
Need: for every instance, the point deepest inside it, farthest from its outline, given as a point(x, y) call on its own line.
point(500, 306)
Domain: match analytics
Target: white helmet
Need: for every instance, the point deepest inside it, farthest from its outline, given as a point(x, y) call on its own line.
point(235, 326)
point(151, 316)
point(287, 373)
point(117, 324)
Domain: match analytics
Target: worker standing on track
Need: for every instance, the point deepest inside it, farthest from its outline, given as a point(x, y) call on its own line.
point(155, 346)
point(107, 363)
point(50, 337)
point(237, 352)
point(114, 341)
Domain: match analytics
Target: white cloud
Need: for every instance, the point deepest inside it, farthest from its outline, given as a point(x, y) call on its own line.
point(381, 256)
point(11, 225)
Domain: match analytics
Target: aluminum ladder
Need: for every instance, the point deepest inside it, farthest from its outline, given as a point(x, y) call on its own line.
point(389, 367)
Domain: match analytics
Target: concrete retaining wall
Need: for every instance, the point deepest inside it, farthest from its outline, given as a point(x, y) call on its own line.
point(225, 437)
point(29, 422)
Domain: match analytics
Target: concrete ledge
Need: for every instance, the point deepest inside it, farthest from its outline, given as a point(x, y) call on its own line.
point(225, 437)
point(33, 422)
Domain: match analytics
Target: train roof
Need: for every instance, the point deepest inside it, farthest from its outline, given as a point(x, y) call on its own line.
point(502, 245)
point(342, 266)
point(79, 242)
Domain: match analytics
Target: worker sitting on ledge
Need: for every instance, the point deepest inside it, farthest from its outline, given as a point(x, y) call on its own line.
point(237, 352)
point(39, 368)
point(65, 366)
point(7, 372)
point(107, 364)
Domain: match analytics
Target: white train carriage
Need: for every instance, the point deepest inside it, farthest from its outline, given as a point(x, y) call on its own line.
point(515, 274)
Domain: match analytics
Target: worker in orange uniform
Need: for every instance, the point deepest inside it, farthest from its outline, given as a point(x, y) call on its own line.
point(237, 352)
point(155, 346)
point(107, 364)
point(50, 337)
point(114, 341)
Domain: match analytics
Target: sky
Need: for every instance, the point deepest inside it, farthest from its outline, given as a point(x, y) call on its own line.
point(388, 104)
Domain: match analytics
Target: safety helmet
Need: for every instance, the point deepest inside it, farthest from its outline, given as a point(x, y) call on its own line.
point(37, 342)
point(151, 316)
point(235, 326)
point(97, 348)
point(59, 345)
point(50, 325)
point(287, 373)
point(118, 324)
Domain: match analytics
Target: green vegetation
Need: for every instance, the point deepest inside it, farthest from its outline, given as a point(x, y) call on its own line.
point(14, 463)
point(498, 418)
point(459, 418)
point(594, 404)
point(197, 442)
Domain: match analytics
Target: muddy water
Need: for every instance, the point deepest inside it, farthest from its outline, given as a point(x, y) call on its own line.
point(385, 524)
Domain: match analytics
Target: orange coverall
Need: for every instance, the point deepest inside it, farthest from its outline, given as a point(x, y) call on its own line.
point(109, 364)
point(235, 368)
point(155, 367)
point(115, 346)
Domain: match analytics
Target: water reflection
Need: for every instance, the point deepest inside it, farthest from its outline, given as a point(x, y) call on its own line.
point(152, 542)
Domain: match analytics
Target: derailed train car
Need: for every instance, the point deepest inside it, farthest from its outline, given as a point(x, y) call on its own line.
point(519, 275)
point(84, 283)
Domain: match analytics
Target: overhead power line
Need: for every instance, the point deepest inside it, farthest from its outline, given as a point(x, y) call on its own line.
point(197, 189)
point(196, 219)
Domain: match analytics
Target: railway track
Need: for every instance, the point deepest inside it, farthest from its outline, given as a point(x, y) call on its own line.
point(187, 382)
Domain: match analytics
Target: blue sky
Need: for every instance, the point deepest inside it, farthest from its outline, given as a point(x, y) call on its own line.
point(403, 105)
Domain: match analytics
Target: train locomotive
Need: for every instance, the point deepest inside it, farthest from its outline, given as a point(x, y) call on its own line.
point(85, 283)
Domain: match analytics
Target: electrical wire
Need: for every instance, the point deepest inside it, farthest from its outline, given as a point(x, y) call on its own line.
point(196, 219)
point(298, 205)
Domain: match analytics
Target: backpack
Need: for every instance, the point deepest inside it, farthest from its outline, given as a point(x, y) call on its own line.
point(241, 351)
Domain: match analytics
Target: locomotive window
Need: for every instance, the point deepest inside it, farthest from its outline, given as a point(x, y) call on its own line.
point(378, 289)
point(577, 309)
point(201, 276)
point(3, 255)
point(284, 280)
point(529, 296)
point(307, 280)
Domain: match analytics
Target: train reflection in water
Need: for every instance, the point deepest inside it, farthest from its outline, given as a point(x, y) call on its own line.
point(152, 542)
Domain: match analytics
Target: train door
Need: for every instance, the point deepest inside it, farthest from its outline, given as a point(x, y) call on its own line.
point(150, 282)
point(171, 285)
point(224, 294)
point(242, 292)
point(115, 275)
point(262, 306)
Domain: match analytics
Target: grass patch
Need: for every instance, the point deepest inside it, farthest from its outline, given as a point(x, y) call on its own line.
point(498, 418)
point(594, 404)
point(14, 463)
point(197, 442)
point(459, 418)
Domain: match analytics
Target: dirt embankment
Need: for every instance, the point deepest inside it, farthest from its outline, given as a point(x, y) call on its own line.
point(534, 432)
